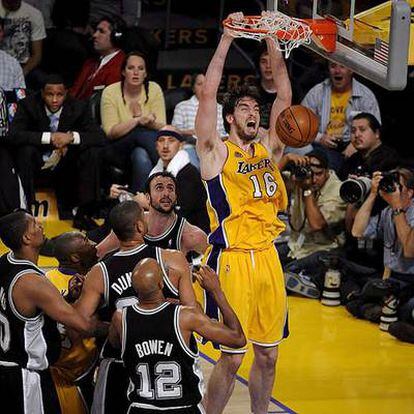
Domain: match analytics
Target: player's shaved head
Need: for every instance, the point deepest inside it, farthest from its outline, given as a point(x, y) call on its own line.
point(147, 278)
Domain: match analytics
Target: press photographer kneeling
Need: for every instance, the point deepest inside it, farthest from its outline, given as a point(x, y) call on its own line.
point(316, 218)
point(395, 226)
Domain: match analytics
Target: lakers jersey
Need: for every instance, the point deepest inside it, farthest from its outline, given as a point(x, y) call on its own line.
point(244, 199)
point(78, 357)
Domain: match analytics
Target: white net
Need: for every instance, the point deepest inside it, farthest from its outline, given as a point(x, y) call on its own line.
point(290, 32)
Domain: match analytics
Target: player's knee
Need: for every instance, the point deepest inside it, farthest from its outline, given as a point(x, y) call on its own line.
point(266, 358)
point(232, 361)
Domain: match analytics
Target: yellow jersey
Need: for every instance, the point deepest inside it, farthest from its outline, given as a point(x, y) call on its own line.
point(78, 357)
point(244, 200)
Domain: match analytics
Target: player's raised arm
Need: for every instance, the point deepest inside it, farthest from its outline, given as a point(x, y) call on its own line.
point(206, 119)
point(284, 94)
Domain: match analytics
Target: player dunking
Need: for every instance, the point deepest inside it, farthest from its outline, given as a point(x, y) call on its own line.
point(245, 193)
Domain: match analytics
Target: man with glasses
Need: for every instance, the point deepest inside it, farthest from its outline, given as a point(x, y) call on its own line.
point(316, 219)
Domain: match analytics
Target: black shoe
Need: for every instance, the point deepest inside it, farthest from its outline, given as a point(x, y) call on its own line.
point(83, 222)
point(403, 331)
point(48, 248)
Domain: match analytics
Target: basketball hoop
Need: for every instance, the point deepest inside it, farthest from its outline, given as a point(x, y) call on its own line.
point(290, 32)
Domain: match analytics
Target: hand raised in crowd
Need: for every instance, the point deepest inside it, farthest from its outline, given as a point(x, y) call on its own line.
point(116, 190)
point(297, 159)
point(61, 139)
point(329, 141)
point(208, 279)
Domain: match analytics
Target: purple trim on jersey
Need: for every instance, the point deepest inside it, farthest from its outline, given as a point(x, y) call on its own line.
point(218, 201)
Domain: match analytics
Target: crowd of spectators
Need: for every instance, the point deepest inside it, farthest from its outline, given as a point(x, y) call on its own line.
point(105, 123)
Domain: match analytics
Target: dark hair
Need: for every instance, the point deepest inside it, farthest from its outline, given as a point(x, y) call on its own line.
point(372, 121)
point(65, 245)
point(2, 22)
point(146, 80)
point(12, 229)
point(123, 217)
point(53, 79)
point(321, 157)
point(118, 28)
point(232, 98)
point(407, 175)
point(159, 174)
point(194, 78)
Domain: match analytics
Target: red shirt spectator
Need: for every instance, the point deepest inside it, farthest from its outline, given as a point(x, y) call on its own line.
point(105, 69)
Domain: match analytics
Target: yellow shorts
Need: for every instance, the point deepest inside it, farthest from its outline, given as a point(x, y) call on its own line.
point(70, 399)
point(254, 286)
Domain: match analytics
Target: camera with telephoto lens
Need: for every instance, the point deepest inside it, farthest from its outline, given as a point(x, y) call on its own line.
point(355, 190)
point(389, 181)
point(300, 172)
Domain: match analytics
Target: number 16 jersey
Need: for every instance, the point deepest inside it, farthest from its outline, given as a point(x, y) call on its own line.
point(244, 199)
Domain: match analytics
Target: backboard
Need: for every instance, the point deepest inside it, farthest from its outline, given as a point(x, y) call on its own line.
point(373, 36)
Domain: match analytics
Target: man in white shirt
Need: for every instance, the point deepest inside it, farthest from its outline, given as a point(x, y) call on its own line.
point(185, 114)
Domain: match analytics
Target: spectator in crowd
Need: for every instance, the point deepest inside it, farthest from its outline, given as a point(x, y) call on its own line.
point(76, 255)
point(371, 154)
point(317, 215)
point(51, 130)
point(336, 101)
point(11, 73)
point(132, 111)
point(24, 34)
point(395, 226)
point(105, 68)
point(184, 118)
point(9, 183)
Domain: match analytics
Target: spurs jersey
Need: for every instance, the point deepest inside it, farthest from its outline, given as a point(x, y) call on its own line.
point(76, 358)
point(164, 372)
point(244, 199)
point(117, 273)
point(171, 238)
point(32, 343)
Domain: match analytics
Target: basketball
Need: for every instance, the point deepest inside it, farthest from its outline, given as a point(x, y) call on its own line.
point(297, 126)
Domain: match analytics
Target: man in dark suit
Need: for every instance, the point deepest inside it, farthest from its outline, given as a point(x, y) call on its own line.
point(53, 131)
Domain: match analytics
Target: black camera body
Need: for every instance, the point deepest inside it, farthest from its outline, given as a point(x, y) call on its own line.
point(300, 172)
point(389, 181)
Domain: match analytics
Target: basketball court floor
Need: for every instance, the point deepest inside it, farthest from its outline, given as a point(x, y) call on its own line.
point(332, 363)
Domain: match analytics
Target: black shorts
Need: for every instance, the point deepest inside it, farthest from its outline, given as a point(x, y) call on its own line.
point(110, 396)
point(189, 410)
point(28, 391)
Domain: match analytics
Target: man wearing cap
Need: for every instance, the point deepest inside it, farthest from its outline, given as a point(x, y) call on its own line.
point(317, 215)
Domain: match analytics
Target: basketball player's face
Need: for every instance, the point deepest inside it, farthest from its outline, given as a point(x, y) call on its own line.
point(135, 71)
point(341, 77)
point(363, 138)
point(163, 196)
point(35, 232)
point(246, 118)
point(87, 252)
point(102, 38)
point(167, 147)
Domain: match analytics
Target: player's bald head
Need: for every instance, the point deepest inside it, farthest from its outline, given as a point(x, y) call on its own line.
point(147, 278)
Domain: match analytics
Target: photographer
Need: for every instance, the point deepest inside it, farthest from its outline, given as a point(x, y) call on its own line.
point(394, 225)
point(316, 220)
